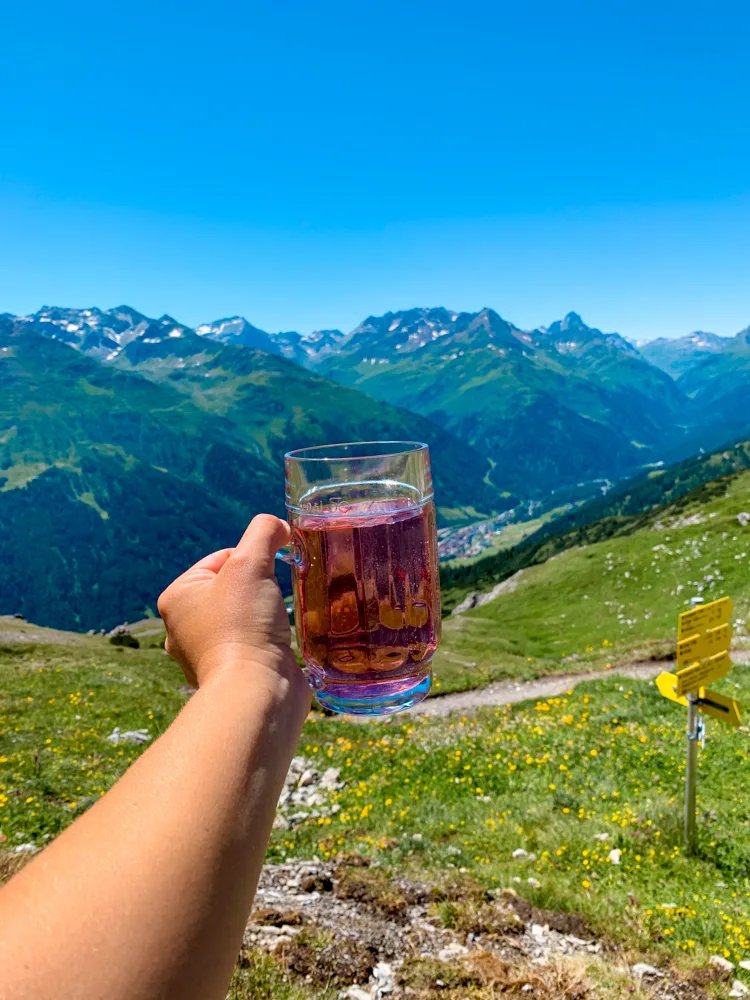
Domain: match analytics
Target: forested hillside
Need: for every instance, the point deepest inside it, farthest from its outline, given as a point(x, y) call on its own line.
point(621, 512)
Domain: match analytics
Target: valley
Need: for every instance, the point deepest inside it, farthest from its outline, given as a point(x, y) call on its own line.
point(145, 442)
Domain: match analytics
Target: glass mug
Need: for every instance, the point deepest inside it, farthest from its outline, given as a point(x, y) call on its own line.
point(364, 572)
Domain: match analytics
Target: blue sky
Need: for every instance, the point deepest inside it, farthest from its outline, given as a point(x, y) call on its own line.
point(308, 163)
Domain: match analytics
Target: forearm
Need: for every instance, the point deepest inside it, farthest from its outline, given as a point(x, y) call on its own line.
point(157, 879)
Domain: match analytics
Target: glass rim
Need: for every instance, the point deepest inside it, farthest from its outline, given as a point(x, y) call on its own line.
point(400, 448)
point(344, 510)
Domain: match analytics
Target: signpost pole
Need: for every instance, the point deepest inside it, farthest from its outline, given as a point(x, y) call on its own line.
point(691, 767)
point(691, 763)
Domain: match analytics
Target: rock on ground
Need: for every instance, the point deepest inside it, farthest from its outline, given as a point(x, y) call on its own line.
point(641, 969)
point(721, 963)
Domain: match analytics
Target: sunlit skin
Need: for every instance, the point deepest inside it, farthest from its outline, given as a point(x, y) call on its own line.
point(146, 895)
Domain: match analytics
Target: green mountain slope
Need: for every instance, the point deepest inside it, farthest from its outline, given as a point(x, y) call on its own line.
point(678, 355)
point(111, 482)
point(109, 486)
point(550, 406)
point(629, 588)
point(620, 513)
point(94, 546)
point(273, 404)
point(607, 593)
point(719, 391)
point(58, 405)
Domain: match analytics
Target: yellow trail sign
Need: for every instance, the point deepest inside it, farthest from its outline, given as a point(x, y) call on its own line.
point(666, 683)
point(702, 673)
point(697, 647)
point(724, 709)
point(704, 616)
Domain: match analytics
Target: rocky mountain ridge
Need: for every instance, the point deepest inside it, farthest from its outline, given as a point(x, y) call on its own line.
point(679, 355)
point(103, 331)
point(562, 404)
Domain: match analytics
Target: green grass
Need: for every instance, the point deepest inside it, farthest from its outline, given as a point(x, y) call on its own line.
point(258, 977)
point(58, 705)
point(474, 652)
point(548, 777)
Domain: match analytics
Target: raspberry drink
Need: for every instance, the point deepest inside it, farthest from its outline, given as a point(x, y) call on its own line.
point(367, 602)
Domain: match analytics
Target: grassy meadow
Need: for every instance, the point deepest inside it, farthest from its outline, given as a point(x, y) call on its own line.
point(570, 780)
point(552, 777)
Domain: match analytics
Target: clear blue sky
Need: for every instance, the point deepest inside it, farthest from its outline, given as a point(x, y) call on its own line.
point(307, 163)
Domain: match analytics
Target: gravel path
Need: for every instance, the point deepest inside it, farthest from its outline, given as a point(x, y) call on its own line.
point(510, 692)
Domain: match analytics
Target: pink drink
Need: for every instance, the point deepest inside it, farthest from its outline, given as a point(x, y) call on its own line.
point(367, 603)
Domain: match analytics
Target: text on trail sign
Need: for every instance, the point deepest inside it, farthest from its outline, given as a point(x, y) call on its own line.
point(701, 673)
point(708, 643)
point(703, 617)
point(703, 638)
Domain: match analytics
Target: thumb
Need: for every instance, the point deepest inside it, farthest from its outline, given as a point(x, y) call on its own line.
point(257, 548)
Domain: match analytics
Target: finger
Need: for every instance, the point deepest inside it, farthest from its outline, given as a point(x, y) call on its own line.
point(205, 569)
point(214, 561)
point(201, 572)
point(263, 538)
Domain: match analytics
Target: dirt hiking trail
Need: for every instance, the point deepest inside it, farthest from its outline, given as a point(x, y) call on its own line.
point(511, 692)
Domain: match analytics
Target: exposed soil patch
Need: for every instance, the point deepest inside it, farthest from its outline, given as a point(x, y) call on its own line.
point(371, 887)
point(485, 975)
point(377, 936)
point(270, 917)
point(317, 883)
point(341, 963)
point(563, 923)
point(710, 974)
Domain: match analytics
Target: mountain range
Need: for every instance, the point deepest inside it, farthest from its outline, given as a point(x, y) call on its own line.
point(678, 355)
point(129, 445)
point(549, 406)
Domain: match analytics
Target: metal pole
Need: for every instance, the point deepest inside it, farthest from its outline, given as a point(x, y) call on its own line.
point(691, 767)
point(691, 762)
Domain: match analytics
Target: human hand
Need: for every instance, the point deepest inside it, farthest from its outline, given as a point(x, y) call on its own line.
point(227, 609)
